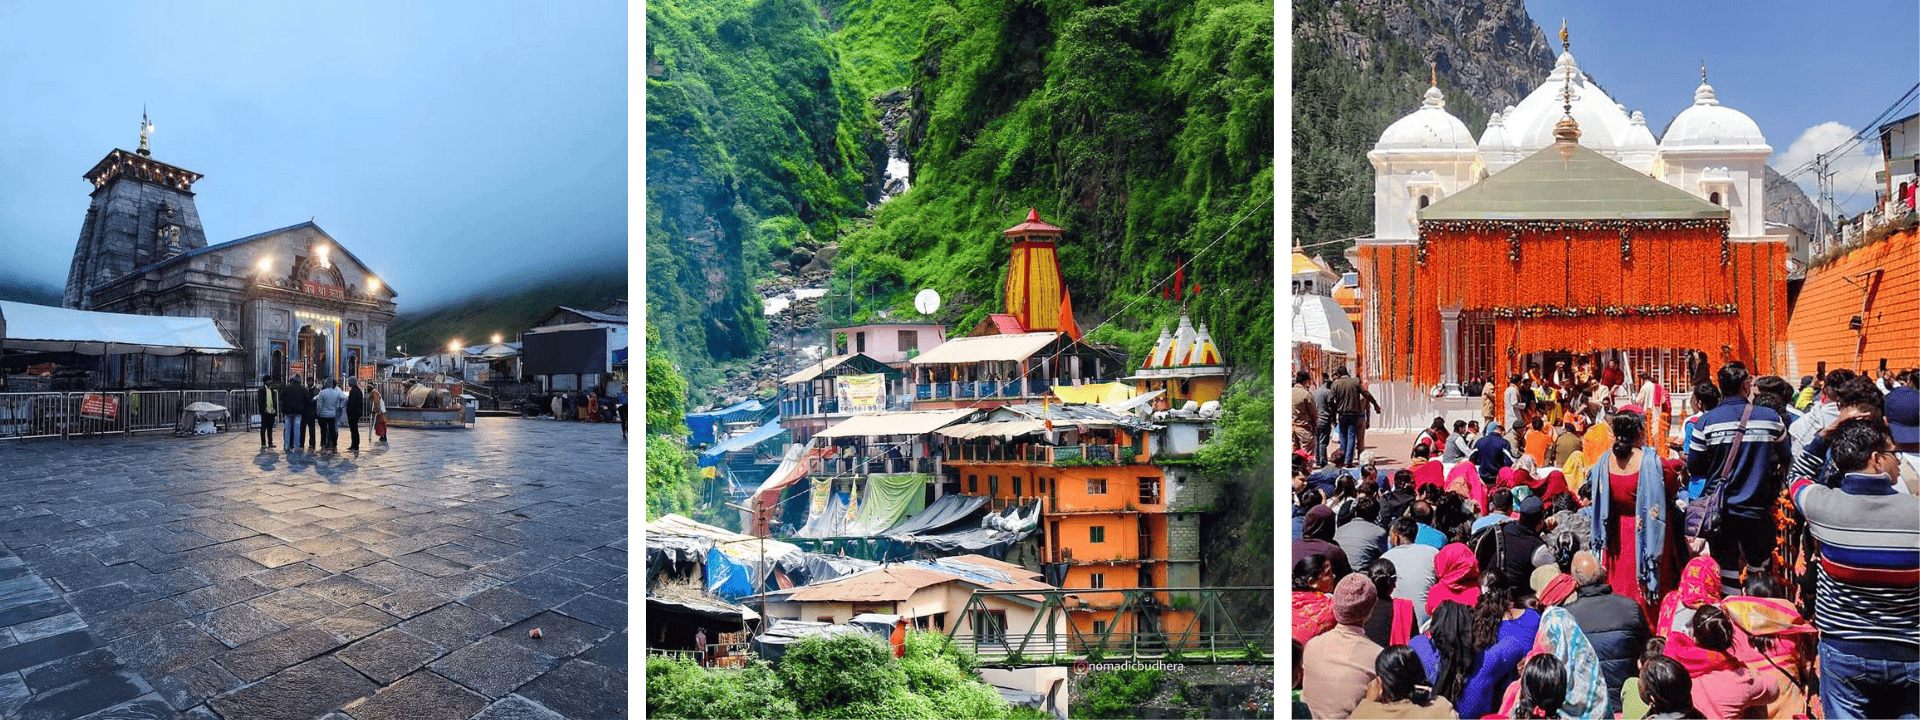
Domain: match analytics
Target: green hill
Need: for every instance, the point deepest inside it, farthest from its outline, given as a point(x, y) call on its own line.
point(508, 313)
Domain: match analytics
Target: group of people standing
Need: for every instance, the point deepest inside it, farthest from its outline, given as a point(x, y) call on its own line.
point(315, 412)
point(1766, 563)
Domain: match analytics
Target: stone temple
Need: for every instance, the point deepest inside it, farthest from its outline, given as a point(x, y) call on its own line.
point(294, 300)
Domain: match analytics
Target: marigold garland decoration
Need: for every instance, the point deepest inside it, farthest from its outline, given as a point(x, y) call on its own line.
point(1626, 244)
point(1616, 311)
point(1513, 229)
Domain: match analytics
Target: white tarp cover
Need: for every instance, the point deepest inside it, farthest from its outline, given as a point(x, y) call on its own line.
point(40, 328)
point(1319, 320)
point(895, 423)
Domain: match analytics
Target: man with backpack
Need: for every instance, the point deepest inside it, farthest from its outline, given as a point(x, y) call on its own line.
point(1737, 446)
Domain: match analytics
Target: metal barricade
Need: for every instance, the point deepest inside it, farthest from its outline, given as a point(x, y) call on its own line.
point(151, 411)
point(242, 406)
point(35, 415)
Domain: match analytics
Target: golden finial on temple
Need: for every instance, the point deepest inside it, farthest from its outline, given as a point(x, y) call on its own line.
point(1564, 46)
point(146, 129)
point(1433, 70)
point(1703, 72)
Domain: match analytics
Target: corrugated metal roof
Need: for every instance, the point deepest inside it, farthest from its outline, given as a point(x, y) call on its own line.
point(986, 348)
point(898, 581)
point(1006, 324)
point(895, 423)
point(868, 363)
point(1583, 186)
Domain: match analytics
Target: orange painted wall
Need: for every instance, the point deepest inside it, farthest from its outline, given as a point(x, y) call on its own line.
point(1819, 328)
point(1581, 268)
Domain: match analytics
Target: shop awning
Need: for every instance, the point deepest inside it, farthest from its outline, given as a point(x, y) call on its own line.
point(40, 328)
point(986, 348)
point(895, 423)
point(1007, 428)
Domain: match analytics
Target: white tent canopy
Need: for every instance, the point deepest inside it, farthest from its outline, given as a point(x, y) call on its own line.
point(1319, 320)
point(40, 328)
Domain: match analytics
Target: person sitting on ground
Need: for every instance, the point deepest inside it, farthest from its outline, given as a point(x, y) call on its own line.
point(1613, 624)
point(1393, 621)
point(1425, 470)
point(1360, 539)
point(1317, 539)
point(1401, 689)
point(1340, 661)
point(1665, 690)
point(1423, 514)
point(1543, 689)
point(1773, 639)
point(1699, 586)
point(1312, 601)
point(1458, 444)
point(1538, 440)
point(1509, 547)
point(1492, 453)
point(1415, 566)
point(1723, 687)
point(1559, 637)
point(1504, 632)
point(1433, 438)
point(1447, 650)
point(1566, 442)
point(1553, 583)
point(1397, 501)
point(1499, 509)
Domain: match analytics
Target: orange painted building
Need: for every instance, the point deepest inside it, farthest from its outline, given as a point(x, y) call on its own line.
point(1878, 284)
point(1123, 523)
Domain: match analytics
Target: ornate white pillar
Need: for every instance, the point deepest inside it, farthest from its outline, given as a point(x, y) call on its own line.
point(1450, 350)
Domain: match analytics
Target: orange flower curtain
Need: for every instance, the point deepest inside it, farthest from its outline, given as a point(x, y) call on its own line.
point(1578, 287)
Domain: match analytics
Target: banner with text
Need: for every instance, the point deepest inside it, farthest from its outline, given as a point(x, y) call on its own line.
point(861, 393)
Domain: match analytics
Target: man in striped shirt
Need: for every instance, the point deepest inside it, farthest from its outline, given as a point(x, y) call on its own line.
point(1867, 596)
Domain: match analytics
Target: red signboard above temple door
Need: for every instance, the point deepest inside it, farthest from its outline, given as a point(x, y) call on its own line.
point(323, 290)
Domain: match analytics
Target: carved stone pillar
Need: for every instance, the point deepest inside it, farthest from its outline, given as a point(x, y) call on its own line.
point(1450, 350)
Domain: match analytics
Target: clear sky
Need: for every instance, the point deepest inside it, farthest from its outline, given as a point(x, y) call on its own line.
point(447, 144)
point(1810, 74)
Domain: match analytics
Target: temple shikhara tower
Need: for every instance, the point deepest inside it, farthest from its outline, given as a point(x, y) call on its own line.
point(294, 300)
point(1565, 231)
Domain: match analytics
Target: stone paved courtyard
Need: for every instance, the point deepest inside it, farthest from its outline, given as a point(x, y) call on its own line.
point(163, 577)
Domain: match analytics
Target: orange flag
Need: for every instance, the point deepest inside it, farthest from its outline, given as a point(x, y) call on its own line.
point(1067, 325)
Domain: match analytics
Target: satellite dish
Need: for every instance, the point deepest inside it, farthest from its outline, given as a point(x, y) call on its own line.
point(927, 301)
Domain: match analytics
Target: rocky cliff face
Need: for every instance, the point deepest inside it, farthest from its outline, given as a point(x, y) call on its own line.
point(1788, 204)
point(1492, 51)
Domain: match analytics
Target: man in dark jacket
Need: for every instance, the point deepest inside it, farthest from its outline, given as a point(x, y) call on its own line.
point(309, 422)
point(356, 405)
point(1511, 545)
point(1492, 453)
point(293, 408)
point(1349, 407)
point(1752, 485)
point(1612, 623)
point(269, 403)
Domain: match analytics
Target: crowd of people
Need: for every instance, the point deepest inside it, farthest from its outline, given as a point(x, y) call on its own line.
point(1569, 556)
point(314, 413)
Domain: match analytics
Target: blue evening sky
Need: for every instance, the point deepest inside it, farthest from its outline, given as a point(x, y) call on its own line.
point(447, 144)
point(1810, 74)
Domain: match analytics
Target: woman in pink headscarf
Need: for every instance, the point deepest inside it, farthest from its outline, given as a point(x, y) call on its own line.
point(1456, 577)
point(1464, 480)
point(1699, 587)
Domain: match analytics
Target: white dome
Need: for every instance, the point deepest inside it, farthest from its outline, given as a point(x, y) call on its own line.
point(1603, 124)
point(1638, 138)
point(1708, 124)
point(1495, 138)
point(1429, 128)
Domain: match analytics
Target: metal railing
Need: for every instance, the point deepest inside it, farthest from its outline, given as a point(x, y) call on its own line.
point(86, 414)
point(1190, 624)
point(971, 389)
point(868, 466)
point(1088, 453)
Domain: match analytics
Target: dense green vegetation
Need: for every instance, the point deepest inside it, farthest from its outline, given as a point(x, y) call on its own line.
point(756, 141)
point(1341, 105)
point(670, 467)
point(476, 319)
point(845, 676)
point(1142, 127)
point(1115, 693)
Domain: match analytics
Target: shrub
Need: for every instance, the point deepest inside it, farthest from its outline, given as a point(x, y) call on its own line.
point(678, 689)
point(822, 674)
point(1116, 693)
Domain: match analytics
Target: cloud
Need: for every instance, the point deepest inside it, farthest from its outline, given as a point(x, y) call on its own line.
point(1853, 185)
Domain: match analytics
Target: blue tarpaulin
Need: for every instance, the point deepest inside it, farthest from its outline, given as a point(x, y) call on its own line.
point(712, 456)
point(729, 577)
point(704, 424)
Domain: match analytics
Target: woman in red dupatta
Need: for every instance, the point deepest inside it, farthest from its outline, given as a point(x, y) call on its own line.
point(1699, 586)
point(1456, 577)
point(1312, 599)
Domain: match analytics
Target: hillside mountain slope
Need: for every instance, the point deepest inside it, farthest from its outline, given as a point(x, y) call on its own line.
point(22, 290)
point(474, 320)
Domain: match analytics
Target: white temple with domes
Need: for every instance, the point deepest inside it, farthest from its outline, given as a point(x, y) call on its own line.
point(1711, 150)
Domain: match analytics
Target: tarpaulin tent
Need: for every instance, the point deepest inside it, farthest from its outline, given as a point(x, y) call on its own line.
point(703, 424)
point(782, 634)
point(713, 455)
point(821, 567)
point(887, 499)
point(946, 512)
point(992, 537)
point(40, 328)
point(832, 519)
point(731, 566)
